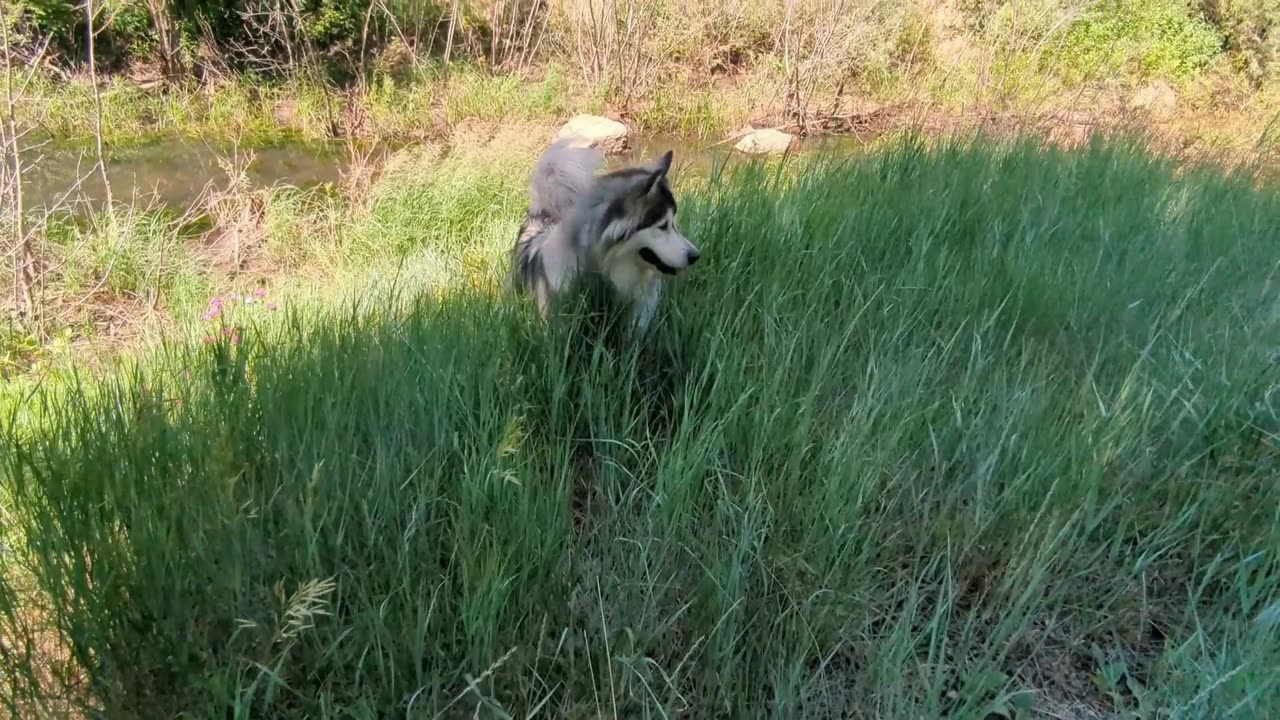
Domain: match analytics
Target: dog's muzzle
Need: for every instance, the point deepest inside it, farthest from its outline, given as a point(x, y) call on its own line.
point(652, 258)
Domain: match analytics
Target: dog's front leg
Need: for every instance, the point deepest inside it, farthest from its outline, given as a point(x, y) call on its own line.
point(645, 308)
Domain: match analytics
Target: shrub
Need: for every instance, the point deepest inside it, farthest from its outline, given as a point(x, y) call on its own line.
point(56, 19)
point(124, 29)
point(1143, 39)
point(1252, 31)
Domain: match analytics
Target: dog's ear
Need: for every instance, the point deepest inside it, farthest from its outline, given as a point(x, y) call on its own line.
point(664, 163)
point(660, 170)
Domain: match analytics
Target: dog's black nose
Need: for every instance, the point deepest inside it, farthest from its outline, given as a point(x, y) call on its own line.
point(692, 257)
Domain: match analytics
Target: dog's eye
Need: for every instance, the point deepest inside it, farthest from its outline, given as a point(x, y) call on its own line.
point(664, 226)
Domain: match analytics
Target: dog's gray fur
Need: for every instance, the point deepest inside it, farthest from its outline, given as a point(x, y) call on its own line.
point(618, 226)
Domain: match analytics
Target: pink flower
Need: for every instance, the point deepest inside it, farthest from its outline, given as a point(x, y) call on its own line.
point(226, 332)
point(211, 314)
point(260, 292)
point(235, 339)
point(206, 340)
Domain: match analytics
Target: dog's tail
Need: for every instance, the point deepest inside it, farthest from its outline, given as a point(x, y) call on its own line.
point(561, 176)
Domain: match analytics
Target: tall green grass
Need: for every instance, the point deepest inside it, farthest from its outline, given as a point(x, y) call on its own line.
point(932, 431)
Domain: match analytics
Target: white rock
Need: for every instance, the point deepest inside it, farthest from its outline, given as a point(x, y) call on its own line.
point(609, 136)
point(1158, 98)
point(765, 142)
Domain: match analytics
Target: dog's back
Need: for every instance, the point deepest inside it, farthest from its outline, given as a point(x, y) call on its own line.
point(544, 258)
point(563, 174)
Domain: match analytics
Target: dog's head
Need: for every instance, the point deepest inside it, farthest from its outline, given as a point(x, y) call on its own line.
point(641, 218)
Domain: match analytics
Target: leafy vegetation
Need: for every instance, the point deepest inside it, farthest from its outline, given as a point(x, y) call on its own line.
point(1252, 29)
point(792, 61)
point(1147, 39)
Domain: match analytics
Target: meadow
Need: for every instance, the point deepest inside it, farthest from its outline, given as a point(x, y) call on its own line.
point(960, 428)
point(247, 98)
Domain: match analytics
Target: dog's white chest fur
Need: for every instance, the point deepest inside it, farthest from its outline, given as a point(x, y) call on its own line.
point(632, 278)
point(636, 283)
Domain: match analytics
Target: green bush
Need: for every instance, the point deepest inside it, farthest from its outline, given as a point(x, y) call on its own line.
point(1252, 31)
point(333, 22)
point(124, 29)
point(56, 19)
point(1144, 39)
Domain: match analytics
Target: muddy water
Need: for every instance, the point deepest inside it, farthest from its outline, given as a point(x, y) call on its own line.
point(174, 173)
point(690, 155)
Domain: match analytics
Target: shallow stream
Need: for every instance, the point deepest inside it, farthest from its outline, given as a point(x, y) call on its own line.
point(175, 172)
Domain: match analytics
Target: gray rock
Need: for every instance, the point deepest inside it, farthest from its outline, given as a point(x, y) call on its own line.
point(609, 136)
point(765, 142)
point(1158, 98)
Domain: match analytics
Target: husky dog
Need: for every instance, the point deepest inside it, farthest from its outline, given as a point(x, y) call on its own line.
point(619, 227)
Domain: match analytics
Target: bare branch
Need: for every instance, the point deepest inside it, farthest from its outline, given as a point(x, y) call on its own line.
point(97, 103)
point(11, 179)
